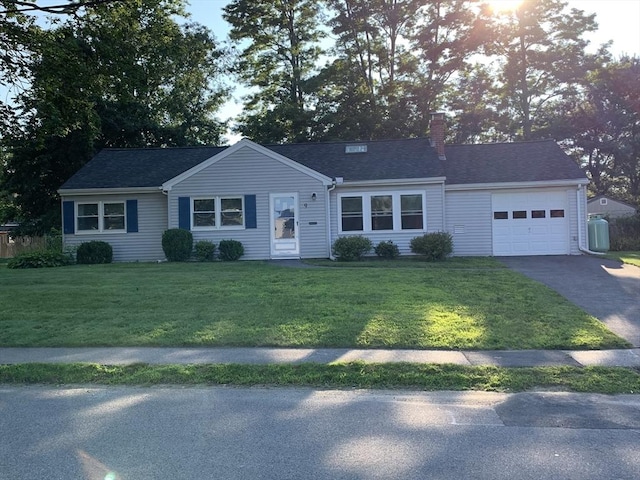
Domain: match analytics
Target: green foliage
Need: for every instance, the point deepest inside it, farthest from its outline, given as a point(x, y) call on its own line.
point(279, 58)
point(94, 252)
point(624, 233)
point(348, 249)
point(40, 259)
point(433, 246)
point(177, 244)
point(205, 251)
point(387, 249)
point(122, 74)
point(230, 250)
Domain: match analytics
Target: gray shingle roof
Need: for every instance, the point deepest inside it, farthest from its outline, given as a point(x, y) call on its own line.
point(390, 159)
point(384, 159)
point(532, 161)
point(137, 167)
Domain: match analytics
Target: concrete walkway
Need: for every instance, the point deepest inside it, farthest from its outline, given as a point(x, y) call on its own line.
point(125, 355)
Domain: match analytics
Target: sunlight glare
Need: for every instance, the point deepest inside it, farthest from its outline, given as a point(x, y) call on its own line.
point(499, 6)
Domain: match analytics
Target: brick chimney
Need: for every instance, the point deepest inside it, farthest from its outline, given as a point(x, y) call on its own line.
point(436, 132)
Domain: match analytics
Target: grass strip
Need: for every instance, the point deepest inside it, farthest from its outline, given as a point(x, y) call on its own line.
point(430, 377)
point(631, 257)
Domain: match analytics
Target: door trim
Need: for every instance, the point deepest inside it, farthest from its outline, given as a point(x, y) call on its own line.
point(284, 248)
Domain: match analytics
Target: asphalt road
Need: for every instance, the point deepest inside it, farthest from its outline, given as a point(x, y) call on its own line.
point(253, 433)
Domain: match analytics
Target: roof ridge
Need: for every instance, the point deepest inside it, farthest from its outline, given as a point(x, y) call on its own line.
point(343, 142)
point(518, 142)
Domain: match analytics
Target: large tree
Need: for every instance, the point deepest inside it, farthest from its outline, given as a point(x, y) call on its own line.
point(280, 48)
point(394, 62)
point(121, 74)
point(600, 127)
point(539, 48)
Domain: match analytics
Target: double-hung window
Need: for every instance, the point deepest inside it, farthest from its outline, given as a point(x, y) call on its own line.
point(369, 212)
point(352, 214)
point(101, 217)
point(217, 212)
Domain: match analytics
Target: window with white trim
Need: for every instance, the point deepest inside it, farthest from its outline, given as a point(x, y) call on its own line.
point(100, 217)
point(352, 218)
point(370, 212)
point(217, 213)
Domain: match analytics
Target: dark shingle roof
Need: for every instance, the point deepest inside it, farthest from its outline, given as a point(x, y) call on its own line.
point(509, 162)
point(384, 159)
point(137, 167)
point(389, 159)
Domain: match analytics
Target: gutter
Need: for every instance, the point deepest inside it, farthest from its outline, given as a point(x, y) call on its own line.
point(333, 186)
point(581, 246)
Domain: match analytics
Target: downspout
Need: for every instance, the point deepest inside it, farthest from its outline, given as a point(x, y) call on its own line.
point(580, 224)
point(328, 208)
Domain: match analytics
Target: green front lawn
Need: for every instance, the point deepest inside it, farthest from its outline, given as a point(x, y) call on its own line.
point(260, 304)
point(632, 258)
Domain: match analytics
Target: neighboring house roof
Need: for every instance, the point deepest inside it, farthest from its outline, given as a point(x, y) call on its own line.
point(611, 199)
point(383, 160)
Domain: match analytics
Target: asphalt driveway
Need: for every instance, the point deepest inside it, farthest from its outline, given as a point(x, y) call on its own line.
point(606, 289)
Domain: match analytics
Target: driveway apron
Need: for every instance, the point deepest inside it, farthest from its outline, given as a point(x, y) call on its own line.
point(606, 289)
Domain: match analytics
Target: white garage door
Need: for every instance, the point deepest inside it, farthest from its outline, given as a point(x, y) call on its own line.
point(530, 223)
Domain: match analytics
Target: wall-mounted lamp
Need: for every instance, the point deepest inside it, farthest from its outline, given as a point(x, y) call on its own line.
point(314, 196)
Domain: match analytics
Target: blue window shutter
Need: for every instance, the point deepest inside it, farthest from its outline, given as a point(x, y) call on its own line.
point(250, 220)
point(184, 213)
point(132, 216)
point(68, 217)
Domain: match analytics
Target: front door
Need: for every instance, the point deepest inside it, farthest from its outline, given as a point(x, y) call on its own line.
point(285, 240)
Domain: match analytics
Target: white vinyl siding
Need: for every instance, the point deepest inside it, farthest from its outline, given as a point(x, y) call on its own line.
point(145, 245)
point(468, 215)
point(247, 172)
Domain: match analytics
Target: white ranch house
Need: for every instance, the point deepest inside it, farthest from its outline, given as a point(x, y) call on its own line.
point(293, 201)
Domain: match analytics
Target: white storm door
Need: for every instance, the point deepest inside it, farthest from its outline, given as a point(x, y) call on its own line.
point(285, 240)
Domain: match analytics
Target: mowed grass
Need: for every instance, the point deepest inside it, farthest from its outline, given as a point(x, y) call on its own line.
point(261, 304)
point(632, 258)
point(609, 380)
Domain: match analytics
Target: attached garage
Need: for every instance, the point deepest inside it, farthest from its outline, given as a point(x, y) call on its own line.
point(531, 223)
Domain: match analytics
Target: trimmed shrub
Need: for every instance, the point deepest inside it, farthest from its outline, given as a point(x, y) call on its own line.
point(434, 246)
point(40, 259)
point(177, 244)
point(348, 249)
point(94, 252)
point(387, 249)
point(230, 250)
point(205, 251)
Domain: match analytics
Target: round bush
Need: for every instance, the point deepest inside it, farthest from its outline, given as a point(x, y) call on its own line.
point(348, 249)
point(230, 250)
point(177, 244)
point(205, 251)
point(434, 246)
point(387, 249)
point(94, 252)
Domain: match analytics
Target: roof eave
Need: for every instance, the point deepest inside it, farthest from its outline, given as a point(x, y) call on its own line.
point(570, 182)
point(392, 182)
point(68, 192)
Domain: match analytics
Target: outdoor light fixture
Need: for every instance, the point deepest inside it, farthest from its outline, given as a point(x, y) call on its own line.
point(314, 196)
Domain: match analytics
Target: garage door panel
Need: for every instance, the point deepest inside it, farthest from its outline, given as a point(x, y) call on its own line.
point(532, 226)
